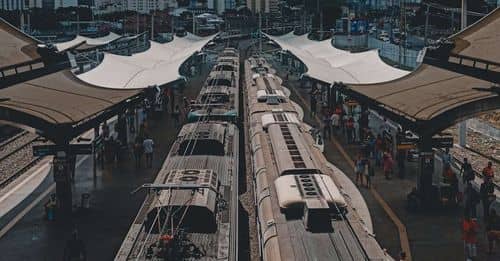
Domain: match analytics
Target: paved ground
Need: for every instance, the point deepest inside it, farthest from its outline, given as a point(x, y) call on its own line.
point(113, 208)
point(432, 235)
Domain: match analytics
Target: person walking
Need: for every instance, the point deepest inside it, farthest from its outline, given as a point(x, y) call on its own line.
point(466, 171)
point(487, 196)
point(75, 249)
point(388, 164)
point(369, 173)
point(469, 236)
point(148, 146)
point(138, 151)
point(359, 170)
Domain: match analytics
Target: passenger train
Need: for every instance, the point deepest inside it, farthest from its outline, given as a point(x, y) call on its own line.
point(219, 95)
point(301, 213)
point(191, 209)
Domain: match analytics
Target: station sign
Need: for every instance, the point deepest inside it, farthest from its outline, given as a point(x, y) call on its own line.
point(440, 141)
point(52, 149)
point(60, 169)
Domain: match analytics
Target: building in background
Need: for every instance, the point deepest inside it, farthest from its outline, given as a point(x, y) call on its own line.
point(220, 6)
point(263, 6)
point(146, 6)
point(20, 4)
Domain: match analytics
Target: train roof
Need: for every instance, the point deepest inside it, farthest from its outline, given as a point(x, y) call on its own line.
point(307, 189)
point(199, 172)
point(291, 152)
point(301, 209)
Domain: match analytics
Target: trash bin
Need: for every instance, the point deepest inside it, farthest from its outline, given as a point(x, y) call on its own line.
point(85, 201)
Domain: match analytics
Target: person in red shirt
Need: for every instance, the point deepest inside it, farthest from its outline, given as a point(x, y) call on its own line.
point(469, 236)
point(488, 171)
point(388, 165)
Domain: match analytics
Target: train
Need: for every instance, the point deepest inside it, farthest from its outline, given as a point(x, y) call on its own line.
point(219, 96)
point(191, 209)
point(301, 212)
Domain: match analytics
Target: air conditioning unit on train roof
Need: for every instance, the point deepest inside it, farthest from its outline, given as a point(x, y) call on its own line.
point(297, 191)
point(279, 117)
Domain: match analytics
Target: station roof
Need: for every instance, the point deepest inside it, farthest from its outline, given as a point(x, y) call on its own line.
point(15, 46)
point(329, 64)
point(58, 99)
point(85, 43)
point(481, 39)
point(159, 65)
point(443, 91)
point(56, 103)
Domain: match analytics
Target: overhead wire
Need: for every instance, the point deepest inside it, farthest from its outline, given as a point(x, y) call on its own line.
point(202, 119)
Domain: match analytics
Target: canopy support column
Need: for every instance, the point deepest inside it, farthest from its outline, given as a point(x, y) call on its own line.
point(426, 163)
point(63, 167)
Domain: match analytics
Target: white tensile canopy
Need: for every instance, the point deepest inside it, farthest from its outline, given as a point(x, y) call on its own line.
point(78, 40)
point(329, 64)
point(158, 65)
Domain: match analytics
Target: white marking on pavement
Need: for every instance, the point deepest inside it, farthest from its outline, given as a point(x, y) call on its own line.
point(25, 211)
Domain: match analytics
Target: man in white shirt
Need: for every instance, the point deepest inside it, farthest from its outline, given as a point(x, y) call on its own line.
point(335, 118)
point(148, 146)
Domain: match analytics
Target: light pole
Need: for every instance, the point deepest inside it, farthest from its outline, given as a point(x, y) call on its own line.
point(462, 127)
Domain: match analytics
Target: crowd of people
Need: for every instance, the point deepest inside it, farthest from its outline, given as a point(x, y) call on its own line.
point(375, 152)
point(470, 224)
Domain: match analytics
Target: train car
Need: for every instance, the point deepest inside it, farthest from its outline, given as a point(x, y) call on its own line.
point(219, 96)
point(301, 211)
point(191, 209)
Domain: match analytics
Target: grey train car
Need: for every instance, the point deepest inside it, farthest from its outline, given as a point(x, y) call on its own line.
point(191, 209)
point(218, 99)
point(301, 213)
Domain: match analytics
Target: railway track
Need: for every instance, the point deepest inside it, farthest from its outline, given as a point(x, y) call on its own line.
point(16, 157)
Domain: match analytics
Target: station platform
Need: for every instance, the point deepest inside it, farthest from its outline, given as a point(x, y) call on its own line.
point(25, 234)
point(429, 235)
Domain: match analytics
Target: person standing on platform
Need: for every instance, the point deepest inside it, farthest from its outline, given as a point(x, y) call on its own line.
point(313, 101)
point(334, 119)
point(350, 130)
point(75, 249)
point(378, 150)
point(446, 159)
point(487, 196)
point(469, 235)
point(388, 165)
point(466, 171)
point(138, 151)
point(327, 125)
point(356, 131)
point(488, 171)
point(175, 115)
point(492, 230)
point(369, 173)
point(148, 146)
point(359, 170)
point(471, 200)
